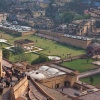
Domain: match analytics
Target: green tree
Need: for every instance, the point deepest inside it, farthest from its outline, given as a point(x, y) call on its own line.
point(40, 59)
point(6, 53)
point(18, 50)
point(67, 17)
point(23, 57)
point(91, 80)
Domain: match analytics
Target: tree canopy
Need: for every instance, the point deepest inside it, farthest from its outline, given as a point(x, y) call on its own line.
point(6, 53)
point(40, 59)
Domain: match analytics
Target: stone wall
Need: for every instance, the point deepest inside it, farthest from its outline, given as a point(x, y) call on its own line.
point(67, 40)
point(19, 89)
point(52, 82)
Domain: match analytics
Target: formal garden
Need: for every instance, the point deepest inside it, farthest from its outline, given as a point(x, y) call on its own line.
point(50, 48)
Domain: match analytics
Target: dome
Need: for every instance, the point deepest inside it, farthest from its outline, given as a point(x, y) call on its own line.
point(43, 68)
point(37, 75)
point(52, 70)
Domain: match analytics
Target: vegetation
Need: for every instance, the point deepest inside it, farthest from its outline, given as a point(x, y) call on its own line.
point(18, 50)
point(40, 59)
point(96, 80)
point(23, 57)
point(78, 17)
point(53, 48)
point(91, 80)
point(80, 64)
point(6, 53)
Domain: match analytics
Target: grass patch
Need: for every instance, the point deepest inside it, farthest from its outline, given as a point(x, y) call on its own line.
point(52, 47)
point(49, 47)
point(96, 80)
point(32, 56)
point(80, 64)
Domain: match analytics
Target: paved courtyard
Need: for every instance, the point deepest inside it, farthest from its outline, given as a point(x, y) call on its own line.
point(69, 91)
point(92, 96)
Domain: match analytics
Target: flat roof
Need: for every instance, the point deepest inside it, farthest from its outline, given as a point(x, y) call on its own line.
point(24, 41)
point(45, 72)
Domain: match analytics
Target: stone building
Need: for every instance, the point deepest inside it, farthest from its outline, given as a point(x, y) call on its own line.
point(52, 77)
point(93, 49)
point(24, 43)
point(3, 17)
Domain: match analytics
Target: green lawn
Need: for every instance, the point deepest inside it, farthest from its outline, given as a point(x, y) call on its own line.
point(31, 57)
point(49, 47)
point(80, 64)
point(96, 80)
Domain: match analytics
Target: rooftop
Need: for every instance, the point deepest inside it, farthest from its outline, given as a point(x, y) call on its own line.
point(45, 72)
point(77, 37)
point(24, 41)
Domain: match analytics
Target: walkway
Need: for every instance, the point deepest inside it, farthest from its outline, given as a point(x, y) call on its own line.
point(89, 73)
point(61, 68)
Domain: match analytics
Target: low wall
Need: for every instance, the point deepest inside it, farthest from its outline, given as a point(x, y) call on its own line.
point(18, 89)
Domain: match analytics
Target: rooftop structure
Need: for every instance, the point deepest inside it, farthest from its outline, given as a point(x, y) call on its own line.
point(93, 49)
point(45, 72)
point(24, 43)
point(77, 37)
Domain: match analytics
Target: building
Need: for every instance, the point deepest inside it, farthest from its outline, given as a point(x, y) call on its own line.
point(43, 3)
point(78, 41)
point(3, 17)
point(53, 77)
point(95, 13)
point(63, 1)
point(21, 66)
point(93, 49)
point(38, 13)
point(24, 43)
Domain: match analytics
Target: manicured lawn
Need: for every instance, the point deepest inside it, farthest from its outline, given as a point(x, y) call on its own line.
point(31, 56)
point(96, 81)
point(51, 47)
point(80, 64)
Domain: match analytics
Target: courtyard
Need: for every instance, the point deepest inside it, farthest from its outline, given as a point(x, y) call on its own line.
point(50, 48)
point(80, 65)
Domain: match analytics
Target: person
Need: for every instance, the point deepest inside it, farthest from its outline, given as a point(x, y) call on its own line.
point(18, 77)
point(7, 82)
point(1, 88)
point(62, 89)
